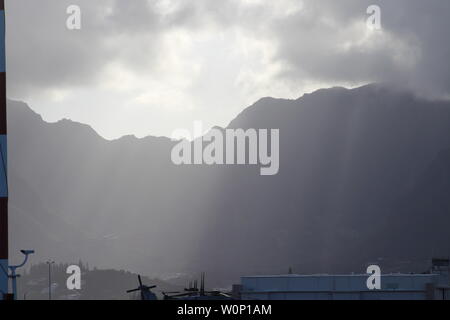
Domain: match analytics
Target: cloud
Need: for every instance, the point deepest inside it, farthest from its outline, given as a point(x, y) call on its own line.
point(174, 61)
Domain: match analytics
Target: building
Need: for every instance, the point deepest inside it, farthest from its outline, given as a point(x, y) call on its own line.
point(434, 285)
point(3, 164)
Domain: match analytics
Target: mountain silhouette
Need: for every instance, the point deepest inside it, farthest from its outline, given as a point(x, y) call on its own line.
point(361, 179)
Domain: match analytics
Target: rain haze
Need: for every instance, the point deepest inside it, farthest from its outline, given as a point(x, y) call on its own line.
point(361, 115)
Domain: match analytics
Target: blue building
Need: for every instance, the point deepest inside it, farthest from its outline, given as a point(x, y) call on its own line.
point(434, 285)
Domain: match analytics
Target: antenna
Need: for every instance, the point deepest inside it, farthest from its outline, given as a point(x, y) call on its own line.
point(202, 284)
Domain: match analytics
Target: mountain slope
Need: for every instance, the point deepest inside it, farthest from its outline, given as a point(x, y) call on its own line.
point(348, 158)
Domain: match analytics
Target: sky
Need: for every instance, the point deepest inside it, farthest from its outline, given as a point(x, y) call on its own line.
point(149, 67)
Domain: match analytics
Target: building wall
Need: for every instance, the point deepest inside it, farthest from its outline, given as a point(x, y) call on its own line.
point(379, 295)
point(343, 287)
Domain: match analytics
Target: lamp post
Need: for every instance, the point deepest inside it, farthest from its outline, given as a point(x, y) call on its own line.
point(50, 262)
point(13, 269)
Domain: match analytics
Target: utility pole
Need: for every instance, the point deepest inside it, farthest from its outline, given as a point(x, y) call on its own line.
point(3, 164)
point(50, 262)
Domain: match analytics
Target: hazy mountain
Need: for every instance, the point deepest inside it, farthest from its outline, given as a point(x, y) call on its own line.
point(422, 217)
point(360, 172)
point(347, 159)
point(115, 203)
point(96, 284)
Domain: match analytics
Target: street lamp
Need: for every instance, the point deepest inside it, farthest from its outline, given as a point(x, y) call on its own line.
point(50, 262)
point(13, 269)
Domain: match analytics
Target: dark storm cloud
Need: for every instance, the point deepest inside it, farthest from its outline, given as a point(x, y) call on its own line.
point(429, 23)
point(325, 41)
point(43, 53)
point(413, 49)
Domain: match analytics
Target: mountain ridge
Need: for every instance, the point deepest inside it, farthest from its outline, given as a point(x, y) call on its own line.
point(347, 158)
point(258, 103)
